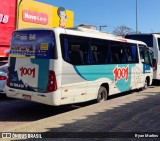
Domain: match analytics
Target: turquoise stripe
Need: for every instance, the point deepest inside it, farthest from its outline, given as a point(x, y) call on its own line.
point(42, 73)
point(95, 72)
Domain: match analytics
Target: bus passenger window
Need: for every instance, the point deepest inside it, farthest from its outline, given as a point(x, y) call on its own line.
point(102, 57)
point(131, 53)
point(76, 56)
point(115, 59)
point(93, 54)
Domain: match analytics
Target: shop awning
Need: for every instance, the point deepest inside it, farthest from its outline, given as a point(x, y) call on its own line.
point(4, 51)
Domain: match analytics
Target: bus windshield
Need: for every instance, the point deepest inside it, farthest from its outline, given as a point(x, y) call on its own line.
point(148, 39)
point(39, 44)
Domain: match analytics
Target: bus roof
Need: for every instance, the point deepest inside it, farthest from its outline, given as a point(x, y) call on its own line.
point(88, 33)
point(99, 34)
point(143, 34)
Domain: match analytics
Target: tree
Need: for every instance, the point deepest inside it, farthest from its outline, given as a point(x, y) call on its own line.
point(122, 30)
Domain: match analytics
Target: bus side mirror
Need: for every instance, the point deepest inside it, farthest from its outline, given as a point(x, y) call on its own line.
point(154, 64)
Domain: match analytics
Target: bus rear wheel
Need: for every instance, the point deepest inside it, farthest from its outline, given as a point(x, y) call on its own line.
point(102, 94)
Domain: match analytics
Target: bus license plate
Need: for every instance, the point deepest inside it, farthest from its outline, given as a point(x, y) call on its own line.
point(26, 97)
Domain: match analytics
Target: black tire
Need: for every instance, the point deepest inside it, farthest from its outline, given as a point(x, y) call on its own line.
point(146, 84)
point(102, 94)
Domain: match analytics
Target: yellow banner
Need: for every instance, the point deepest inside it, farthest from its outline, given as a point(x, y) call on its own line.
point(31, 13)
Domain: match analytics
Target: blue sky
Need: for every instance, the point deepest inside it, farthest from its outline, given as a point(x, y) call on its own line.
point(113, 13)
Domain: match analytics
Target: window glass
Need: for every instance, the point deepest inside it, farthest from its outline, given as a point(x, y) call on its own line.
point(39, 44)
point(148, 39)
point(123, 53)
point(75, 49)
point(117, 51)
point(145, 56)
point(99, 51)
point(158, 43)
point(84, 50)
point(141, 53)
point(78, 50)
point(131, 53)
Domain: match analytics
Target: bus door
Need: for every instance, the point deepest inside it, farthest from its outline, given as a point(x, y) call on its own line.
point(146, 59)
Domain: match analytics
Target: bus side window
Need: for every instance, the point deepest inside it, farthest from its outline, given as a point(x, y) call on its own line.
point(116, 52)
point(130, 53)
point(102, 56)
point(93, 55)
point(76, 55)
point(115, 59)
point(99, 51)
point(75, 49)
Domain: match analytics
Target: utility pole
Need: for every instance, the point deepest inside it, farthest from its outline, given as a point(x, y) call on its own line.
point(17, 14)
point(136, 16)
point(102, 26)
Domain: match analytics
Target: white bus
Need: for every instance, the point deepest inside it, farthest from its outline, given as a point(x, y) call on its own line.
point(153, 41)
point(62, 66)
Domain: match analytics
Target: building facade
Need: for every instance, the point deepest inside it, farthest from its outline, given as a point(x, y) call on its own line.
point(17, 14)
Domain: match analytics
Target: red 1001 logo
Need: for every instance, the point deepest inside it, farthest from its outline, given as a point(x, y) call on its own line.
point(120, 73)
point(27, 71)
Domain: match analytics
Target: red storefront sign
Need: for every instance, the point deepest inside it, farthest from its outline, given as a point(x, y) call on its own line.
point(4, 51)
point(4, 18)
point(35, 17)
point(7, 21)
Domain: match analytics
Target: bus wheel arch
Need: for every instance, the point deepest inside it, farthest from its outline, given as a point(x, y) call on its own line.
point(103, 93)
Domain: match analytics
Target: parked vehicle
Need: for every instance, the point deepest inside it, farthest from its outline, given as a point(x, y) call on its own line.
point(63, 66)
point(4, 62)
point(3, 77)
point(153, 41)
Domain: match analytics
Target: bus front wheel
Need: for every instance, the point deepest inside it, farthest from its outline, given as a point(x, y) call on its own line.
point(102, 94)
point(146, 84)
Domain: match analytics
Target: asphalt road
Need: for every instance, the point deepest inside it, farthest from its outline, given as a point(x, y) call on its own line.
point(15, 112)
point(128, 112)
